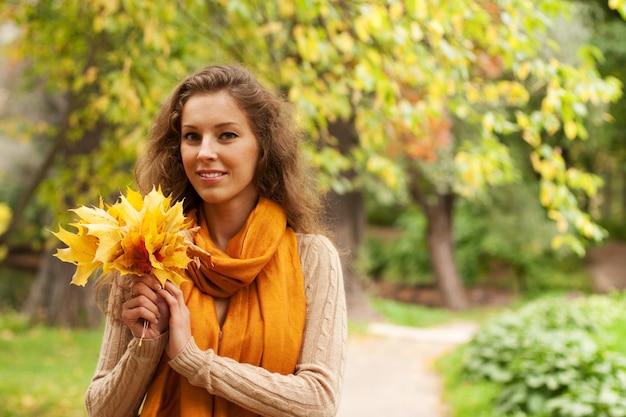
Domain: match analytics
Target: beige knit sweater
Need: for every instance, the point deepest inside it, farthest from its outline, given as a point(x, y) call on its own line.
point(125, 369)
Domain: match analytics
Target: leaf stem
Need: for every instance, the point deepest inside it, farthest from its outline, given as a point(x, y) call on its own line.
point(143, 332)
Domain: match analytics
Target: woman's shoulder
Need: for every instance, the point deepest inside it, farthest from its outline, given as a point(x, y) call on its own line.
point(314, 242)
point(317, 251)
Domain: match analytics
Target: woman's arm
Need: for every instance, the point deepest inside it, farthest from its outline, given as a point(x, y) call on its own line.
point(124, 368)
point(315, 387)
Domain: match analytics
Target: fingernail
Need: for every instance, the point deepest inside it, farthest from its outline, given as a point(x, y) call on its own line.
point(158, 287)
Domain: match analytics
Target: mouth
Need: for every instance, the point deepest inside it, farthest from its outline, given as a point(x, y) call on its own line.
point(212, 174)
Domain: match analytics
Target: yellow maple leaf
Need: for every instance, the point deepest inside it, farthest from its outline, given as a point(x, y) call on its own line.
point(136, 235)
point(80, 251)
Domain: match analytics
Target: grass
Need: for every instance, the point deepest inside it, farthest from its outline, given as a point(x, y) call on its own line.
point(404, 314)
point(465, 399)
point(413, 315)
point(44, 371)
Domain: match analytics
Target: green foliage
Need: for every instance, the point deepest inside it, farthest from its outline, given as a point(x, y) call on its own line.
point(404, 258)
point(44, 371)
point(616, 337)
point(398, 71)
point(508, 227)
point(14, 287)
point(466, 398)
point(505, 227)
point(609, 30)
point(32, 231)
point(373, 258)
point(105, 67)
point(551, 359)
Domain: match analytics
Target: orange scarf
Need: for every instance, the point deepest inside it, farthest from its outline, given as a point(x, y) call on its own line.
point(261, 273)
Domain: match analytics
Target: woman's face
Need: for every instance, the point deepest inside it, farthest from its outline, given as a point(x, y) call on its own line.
point(219, 150)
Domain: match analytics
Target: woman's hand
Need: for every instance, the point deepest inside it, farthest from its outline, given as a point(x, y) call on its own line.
point(146, 305)
point(180, 322)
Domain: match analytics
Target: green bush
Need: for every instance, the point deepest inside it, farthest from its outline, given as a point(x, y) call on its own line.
point(551, 359)
point(403, 260)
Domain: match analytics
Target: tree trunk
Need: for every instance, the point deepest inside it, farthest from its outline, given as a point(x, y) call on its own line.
point(439, 209)
point(53, 300)
point(441, 247)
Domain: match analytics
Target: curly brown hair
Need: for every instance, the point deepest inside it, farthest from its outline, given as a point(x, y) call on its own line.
point(281, 173)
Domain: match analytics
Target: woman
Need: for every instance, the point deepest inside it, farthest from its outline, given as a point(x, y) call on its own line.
point(259, 328)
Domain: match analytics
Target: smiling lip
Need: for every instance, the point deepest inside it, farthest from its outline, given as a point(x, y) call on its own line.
point(211, 176)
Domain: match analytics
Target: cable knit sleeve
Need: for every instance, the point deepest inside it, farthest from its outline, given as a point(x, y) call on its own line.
point(315, 387)
point(124, 368)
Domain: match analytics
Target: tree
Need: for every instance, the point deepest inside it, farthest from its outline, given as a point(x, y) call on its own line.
point(400, 77)
point(102, 75)
point(609, 29)
point(404, 74)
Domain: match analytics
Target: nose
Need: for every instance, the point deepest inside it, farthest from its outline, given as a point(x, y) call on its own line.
point(207, 149)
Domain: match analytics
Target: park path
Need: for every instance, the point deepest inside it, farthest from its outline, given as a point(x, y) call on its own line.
point(390, 370)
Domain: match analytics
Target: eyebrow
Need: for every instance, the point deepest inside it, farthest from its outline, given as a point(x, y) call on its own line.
point(223, 124)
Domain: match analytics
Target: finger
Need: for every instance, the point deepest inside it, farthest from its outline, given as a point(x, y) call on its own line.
point(174, 290)
point(168, 298)
point(173, 296)
point(140, 288)
point(147, 299)
point(180, 325)
point(149, 280)
point(164, 315)
point(136, 309)
point(178, 311)
point(146, 285)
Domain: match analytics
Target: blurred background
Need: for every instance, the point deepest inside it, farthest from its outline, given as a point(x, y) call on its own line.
point(472, 152)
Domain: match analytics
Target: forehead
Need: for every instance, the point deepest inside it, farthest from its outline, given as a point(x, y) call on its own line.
point(210, 105)
point(221, 98)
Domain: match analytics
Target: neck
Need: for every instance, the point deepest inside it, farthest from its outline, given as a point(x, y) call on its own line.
point(225, 222)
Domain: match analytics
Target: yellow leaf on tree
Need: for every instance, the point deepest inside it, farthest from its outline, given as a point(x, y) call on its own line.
point(571, 130)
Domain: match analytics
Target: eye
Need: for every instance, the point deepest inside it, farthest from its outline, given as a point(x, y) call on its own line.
point(229, 136)
point(191, 136)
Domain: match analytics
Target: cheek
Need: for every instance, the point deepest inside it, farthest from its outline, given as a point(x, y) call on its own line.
point(185, 152)
point(187, 158)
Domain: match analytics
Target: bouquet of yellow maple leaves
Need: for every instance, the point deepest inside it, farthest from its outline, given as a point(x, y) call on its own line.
point(136, 235)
